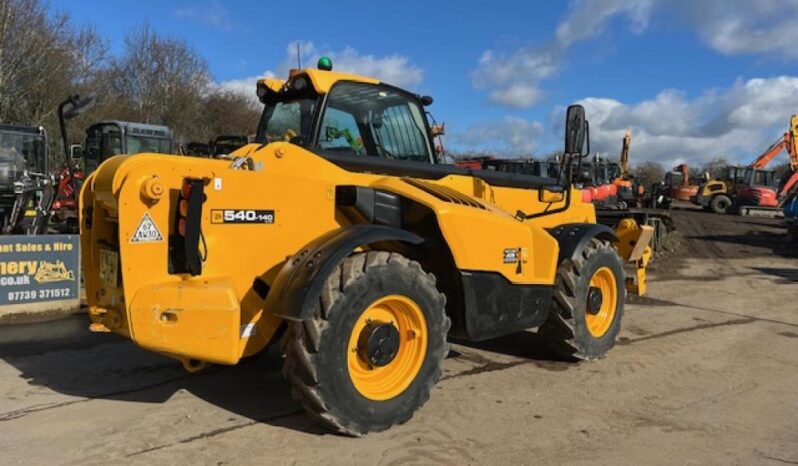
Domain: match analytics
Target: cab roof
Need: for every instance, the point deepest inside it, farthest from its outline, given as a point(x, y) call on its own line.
point(322, 80)
point(20, 128)
point(135, 127)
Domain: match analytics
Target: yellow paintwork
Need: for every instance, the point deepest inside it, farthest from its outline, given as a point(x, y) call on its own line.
point(217, 316)
point(166, 315)
point(712, 187)
point(324, 80)
point(600, 322)
point(321, 80)
point(387, 382)
point(792, 149)
point(299, 186)
point(634, 246)
point(273, 83)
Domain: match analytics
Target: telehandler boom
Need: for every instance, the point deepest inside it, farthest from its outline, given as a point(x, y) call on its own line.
point(339, 226)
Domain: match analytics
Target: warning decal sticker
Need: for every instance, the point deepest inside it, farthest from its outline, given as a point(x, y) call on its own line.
point(146, 232)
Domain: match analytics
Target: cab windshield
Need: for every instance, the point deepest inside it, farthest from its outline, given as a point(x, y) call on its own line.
point(24, 146)
point(754, 177)
point(139, 144)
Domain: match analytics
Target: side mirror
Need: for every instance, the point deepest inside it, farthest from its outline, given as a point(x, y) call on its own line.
point(76, 105)
point(575, 129)
point(426, 100)
point(76, 152)
point(551, 194)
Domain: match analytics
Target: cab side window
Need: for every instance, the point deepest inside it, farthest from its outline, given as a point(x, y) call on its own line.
point(400, 131)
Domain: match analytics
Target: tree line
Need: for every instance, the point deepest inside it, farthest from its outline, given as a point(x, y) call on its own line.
point(45, 57)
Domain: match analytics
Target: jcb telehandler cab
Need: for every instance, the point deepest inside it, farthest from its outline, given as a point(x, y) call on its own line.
point(338, 226)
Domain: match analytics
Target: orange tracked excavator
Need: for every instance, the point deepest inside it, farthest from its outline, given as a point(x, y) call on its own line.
point(753, 189)
point(760, 194)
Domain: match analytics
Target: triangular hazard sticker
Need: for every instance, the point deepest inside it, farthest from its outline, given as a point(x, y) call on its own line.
point(146, 232)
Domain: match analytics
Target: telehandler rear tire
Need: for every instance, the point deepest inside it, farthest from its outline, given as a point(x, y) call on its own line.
point(587, 308)
point(373, 351)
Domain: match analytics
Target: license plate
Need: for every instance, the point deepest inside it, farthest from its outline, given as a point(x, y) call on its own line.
point(109, 267)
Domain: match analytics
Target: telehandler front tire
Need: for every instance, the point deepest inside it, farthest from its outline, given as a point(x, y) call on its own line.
point(370, 356)
point(587, 308)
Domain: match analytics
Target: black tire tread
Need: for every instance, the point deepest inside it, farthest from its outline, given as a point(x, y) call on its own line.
point(302, 338)
point(560, 327)
point(713, 207)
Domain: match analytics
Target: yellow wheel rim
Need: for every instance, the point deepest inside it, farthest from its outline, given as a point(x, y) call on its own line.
point(599, 322)
point(390, 380)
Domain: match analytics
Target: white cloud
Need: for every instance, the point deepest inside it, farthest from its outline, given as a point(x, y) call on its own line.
point(213, 14)
point(589, 19)
point(510, 136)
point(743, 26)
point(738, 122)
point(513, 78)
point(392, 69)
point(244, 86)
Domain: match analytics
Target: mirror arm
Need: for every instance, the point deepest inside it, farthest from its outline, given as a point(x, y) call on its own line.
point(62, 125)
point(587, 136)
point(520, 215)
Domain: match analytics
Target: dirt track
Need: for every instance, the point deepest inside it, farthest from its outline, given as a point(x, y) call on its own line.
point(729, 236)
point(704, 373)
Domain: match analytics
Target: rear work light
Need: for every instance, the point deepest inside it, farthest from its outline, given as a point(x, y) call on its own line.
point(185, 256)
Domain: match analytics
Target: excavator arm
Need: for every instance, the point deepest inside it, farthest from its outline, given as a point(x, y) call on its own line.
point(764, 159)
point(685, 171)
point(623, 160)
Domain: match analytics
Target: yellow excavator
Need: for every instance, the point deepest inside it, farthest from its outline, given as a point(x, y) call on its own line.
point(339, 226)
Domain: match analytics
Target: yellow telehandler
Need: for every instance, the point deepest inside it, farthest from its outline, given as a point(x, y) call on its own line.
point(339, 226)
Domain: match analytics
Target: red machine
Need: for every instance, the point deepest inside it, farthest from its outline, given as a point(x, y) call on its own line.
point(760, 192)
point(474, 163)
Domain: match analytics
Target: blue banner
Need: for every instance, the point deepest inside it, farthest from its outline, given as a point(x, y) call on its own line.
point(42, 268)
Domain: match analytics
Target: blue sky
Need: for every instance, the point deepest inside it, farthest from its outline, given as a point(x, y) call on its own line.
point(693, 80)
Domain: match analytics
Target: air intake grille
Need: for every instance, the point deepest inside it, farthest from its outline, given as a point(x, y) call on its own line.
point(445, 193)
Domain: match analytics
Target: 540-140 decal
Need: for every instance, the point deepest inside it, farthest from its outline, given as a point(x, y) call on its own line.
point(242, 216)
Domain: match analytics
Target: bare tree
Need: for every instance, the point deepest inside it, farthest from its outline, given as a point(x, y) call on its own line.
point(714, 166)
point(649, 173)
point(226, 112)
point(34, 54)
point(160, 80)
point(43, 58)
